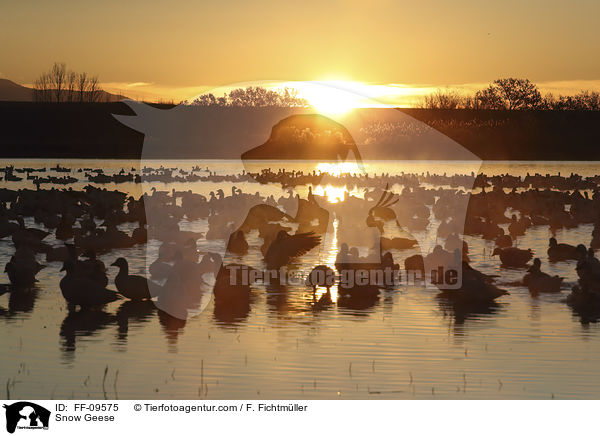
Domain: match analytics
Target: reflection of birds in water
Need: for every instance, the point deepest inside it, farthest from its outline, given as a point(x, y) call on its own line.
point(287, 247)
point(138, 311)
point(83, 322)
point(131, 286)
point(172, 326)
point(462, 311)
point(20, 299)
point(538, 281)
point(232, 294)
point(80, 290)
point(278, 297)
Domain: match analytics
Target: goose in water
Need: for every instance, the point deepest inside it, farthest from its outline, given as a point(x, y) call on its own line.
point(130, 286)
point(80, 290)
point(159, 269)
point(558, 252)
point(64, 230)
point(286, 247)
point(504, 241)
point(321, 275)
point(538, 281)
point(237, 243)
point(513, 257)
point(30, 237)
point(7, 228)
point(415, 263)
point(324, 276)
point(476, 288)
point(25, 234)
point(22, 267)
point(94, 267)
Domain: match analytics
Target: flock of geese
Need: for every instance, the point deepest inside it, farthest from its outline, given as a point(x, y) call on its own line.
point(282, 231)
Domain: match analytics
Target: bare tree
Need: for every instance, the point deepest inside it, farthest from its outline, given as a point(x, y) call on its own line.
point(583, 101)
point(60, 85)
point(71, 83)
point(41, 88)
point(58, 75)
point(443, 99)
point(94, 92)
point(82, 86)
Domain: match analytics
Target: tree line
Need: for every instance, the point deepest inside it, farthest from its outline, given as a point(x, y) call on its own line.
point(510, 94)
point(62, 85)
point(253, 96)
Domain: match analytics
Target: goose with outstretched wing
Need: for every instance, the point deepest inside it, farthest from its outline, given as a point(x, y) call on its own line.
point(286, 247)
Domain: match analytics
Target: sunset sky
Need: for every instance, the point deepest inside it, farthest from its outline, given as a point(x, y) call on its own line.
point(180, 49)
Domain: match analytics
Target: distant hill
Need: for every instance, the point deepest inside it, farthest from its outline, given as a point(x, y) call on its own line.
point(11, 91)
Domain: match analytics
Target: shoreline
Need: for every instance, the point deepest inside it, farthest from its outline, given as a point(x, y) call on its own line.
point(90, 131)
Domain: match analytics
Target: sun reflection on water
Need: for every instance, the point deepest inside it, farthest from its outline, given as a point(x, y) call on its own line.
point(334, 194)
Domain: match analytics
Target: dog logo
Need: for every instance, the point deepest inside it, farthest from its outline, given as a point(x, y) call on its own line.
point(26, 415)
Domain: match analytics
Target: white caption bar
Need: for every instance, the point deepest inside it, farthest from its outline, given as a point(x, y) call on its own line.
point(77, 417)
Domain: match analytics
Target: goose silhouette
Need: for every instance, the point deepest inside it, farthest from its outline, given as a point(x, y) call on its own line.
point(321, 275)
point(415, 263)
point(30, 237)
point(287, 247)
point(513, 257)
point(132, 287)
point(80, 290)
point(64, 230)
point(558, 252)
point(7, 228)
point(504, 241)
point(476, 288)
point(237, 243)
point(538, 281)
point(22, 267)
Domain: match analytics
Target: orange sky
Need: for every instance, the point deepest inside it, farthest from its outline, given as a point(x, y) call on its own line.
point(180, 48)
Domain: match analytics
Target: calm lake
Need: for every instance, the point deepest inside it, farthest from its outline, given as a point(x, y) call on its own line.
point(407, 346)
